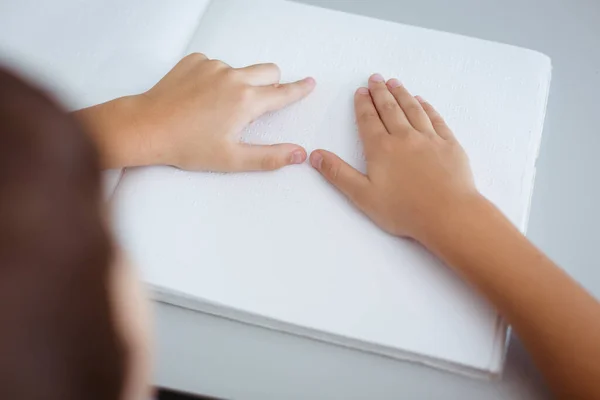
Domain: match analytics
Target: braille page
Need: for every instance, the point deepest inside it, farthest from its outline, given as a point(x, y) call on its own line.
point(285, 250)
point(88, 51)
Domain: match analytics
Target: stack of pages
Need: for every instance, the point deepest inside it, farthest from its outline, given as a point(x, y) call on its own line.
point(283, 249)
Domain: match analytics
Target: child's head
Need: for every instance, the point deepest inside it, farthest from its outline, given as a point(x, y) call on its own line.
point(72, 323)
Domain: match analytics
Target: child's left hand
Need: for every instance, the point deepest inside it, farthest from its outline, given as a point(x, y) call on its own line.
point(193, 118)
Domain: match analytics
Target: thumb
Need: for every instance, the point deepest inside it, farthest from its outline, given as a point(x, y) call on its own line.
point(340, 174)
point(250, 157)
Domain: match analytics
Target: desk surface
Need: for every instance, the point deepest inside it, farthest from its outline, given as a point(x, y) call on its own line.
point(238, 361)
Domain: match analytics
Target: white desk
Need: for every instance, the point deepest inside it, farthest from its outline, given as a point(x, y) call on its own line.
point(238, 361)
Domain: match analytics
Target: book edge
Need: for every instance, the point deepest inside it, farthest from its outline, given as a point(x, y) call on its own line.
point(195, 304)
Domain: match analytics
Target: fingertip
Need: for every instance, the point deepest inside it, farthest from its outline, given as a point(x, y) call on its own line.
point(316, 159)
point(376, 78)
point(298, 156)
point(277, 96)
point(362, 91)
point(310, 81)
point(308, 84)
point(394, 83)
point(255, 157)
point(305, 85)
point(272, 65)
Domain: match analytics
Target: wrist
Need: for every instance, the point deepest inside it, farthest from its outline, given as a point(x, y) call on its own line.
point(116, 128)
point(454, 220)
point(475, 238)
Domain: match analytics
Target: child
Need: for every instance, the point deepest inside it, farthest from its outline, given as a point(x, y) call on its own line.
point(62, 278)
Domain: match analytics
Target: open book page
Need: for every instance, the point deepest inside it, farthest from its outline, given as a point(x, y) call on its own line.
point(285, 245)
point(87, 52)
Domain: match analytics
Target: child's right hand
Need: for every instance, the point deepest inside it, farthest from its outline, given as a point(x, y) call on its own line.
point(193, 119)
point(196, 113)
point(416, 169)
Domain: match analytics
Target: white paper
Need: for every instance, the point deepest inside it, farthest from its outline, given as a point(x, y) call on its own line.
point(87, 51)
point(286, 247)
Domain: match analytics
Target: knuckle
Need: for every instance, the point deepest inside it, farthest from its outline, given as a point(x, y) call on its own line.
point(195, 57)
point(437, 120)
point(216, 64)
point(331, 169)
point(427, 107)
point(456, 148)
point(283, 89)
point(389, 106)
point(367, 115)
point(270, 163)
point(412, 107)
point(289, 90)
point(231, 74)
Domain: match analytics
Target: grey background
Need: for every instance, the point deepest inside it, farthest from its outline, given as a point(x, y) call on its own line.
point(239, 361)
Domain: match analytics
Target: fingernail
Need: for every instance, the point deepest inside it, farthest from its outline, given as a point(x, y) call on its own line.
point(377, 78)
point(316, 160)
point(420, 99)
point(297, 157)
point(310, 81)
point(362, 90)
point(394, 83)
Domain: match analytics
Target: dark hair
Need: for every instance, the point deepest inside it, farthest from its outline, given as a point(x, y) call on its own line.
point(57, 334)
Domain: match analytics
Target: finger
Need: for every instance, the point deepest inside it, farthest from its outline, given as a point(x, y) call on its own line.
point(437, 122)
point(370, 126)
point(249, 157)
point(388, 108)
point(346, 179)
point(261, 74)
point(276, 97)
point(411, 107)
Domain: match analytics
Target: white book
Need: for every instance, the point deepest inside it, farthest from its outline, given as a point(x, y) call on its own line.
point(283, 249)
